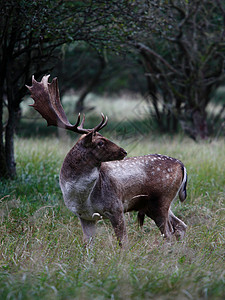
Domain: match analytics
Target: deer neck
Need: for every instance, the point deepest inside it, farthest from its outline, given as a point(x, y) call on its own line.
point(80, 170)
point(78, 178)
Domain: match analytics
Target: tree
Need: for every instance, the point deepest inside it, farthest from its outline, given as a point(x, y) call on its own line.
point(31, 36)
point(85, 69)
point(184, 61)
point(80, 69)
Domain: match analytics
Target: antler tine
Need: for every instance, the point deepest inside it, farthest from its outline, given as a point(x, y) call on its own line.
point(78, 120)
point(102, 124)
point(81, 128)
point(47, 103)
point(82, 122)
point(95, 129)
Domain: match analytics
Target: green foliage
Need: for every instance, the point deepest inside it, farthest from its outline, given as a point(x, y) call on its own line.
point(183, 58)
point(42, 256)
point(80, 63)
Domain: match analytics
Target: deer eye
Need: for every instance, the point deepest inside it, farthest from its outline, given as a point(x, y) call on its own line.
point(100, 143)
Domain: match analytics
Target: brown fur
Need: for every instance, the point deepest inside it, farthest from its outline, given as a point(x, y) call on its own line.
point(96, 180)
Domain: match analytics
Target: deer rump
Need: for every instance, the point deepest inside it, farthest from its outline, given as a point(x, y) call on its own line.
point(149, 184)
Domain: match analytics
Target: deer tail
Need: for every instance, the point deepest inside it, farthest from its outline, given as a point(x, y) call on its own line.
point(182, 190)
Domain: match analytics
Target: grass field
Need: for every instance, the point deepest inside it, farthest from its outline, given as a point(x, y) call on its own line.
point(41, 250)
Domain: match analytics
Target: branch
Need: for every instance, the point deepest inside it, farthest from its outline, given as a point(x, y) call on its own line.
point(141, 47)
point(223, 12)
point(181, 11)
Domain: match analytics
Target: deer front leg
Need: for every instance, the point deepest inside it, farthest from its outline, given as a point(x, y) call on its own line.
point(178, 226)
point(119, 225)
point(89, 230)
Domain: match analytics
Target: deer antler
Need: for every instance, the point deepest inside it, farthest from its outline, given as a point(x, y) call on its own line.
point(47, 103)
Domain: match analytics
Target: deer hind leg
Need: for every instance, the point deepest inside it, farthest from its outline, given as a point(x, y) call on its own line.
point(161, 218)
point(178, 226)
point(141, 218)
point(164, 226)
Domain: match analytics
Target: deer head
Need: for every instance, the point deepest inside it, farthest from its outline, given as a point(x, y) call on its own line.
point(47, 102)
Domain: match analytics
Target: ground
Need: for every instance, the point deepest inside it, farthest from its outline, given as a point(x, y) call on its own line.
point(41, 251)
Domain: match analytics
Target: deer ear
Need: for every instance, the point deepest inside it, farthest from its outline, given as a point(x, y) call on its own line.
point(88, 139)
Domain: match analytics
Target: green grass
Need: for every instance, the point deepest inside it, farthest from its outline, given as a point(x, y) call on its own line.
point(41, 250)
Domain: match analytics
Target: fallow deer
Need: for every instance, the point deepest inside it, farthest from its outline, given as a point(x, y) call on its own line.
point(97, 180)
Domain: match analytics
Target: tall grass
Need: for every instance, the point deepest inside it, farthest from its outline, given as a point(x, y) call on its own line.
point(41, 250)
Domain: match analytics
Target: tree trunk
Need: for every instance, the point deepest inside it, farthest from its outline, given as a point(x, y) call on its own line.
point(9, 144)
point(200, 124)
point(80, 103)
point(3, 166)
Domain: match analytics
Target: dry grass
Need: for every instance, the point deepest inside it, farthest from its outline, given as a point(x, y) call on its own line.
point(41, 250)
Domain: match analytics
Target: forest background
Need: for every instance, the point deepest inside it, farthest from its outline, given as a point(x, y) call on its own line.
point(156, 68)
point(170, 52)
